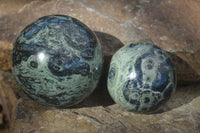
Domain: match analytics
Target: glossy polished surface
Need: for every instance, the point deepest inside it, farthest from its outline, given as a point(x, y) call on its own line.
point(57, 61)
point(141, 77)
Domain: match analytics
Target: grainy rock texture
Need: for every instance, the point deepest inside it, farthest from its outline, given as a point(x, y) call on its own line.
point(173, 25)
point(98, 113)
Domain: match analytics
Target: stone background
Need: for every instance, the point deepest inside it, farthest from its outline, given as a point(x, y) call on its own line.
point(173, 25)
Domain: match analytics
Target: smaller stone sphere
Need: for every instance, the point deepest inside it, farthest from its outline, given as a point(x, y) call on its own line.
point(57, 61)
point(141, 77)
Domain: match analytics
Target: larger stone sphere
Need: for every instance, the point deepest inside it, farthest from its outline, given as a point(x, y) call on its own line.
point(141, 77)
point(57, 61)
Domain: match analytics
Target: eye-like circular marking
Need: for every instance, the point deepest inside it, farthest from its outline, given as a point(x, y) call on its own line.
point(146, 74)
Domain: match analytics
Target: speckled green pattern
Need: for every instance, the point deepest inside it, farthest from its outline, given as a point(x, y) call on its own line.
point(141, 77)
point(57, 61)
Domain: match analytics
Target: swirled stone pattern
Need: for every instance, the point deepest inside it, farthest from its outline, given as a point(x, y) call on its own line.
point(57, 60)
point(141, 77)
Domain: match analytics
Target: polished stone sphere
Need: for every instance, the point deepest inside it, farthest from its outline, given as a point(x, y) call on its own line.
point(141, 77)
point(57, 61)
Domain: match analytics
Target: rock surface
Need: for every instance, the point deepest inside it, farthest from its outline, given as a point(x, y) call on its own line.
point(172, 25)
point(98, 113)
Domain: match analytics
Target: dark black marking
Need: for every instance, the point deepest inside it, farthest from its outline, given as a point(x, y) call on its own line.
point(149, 66)
point(34, 64)
point(132, 45)
point(146, 100)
